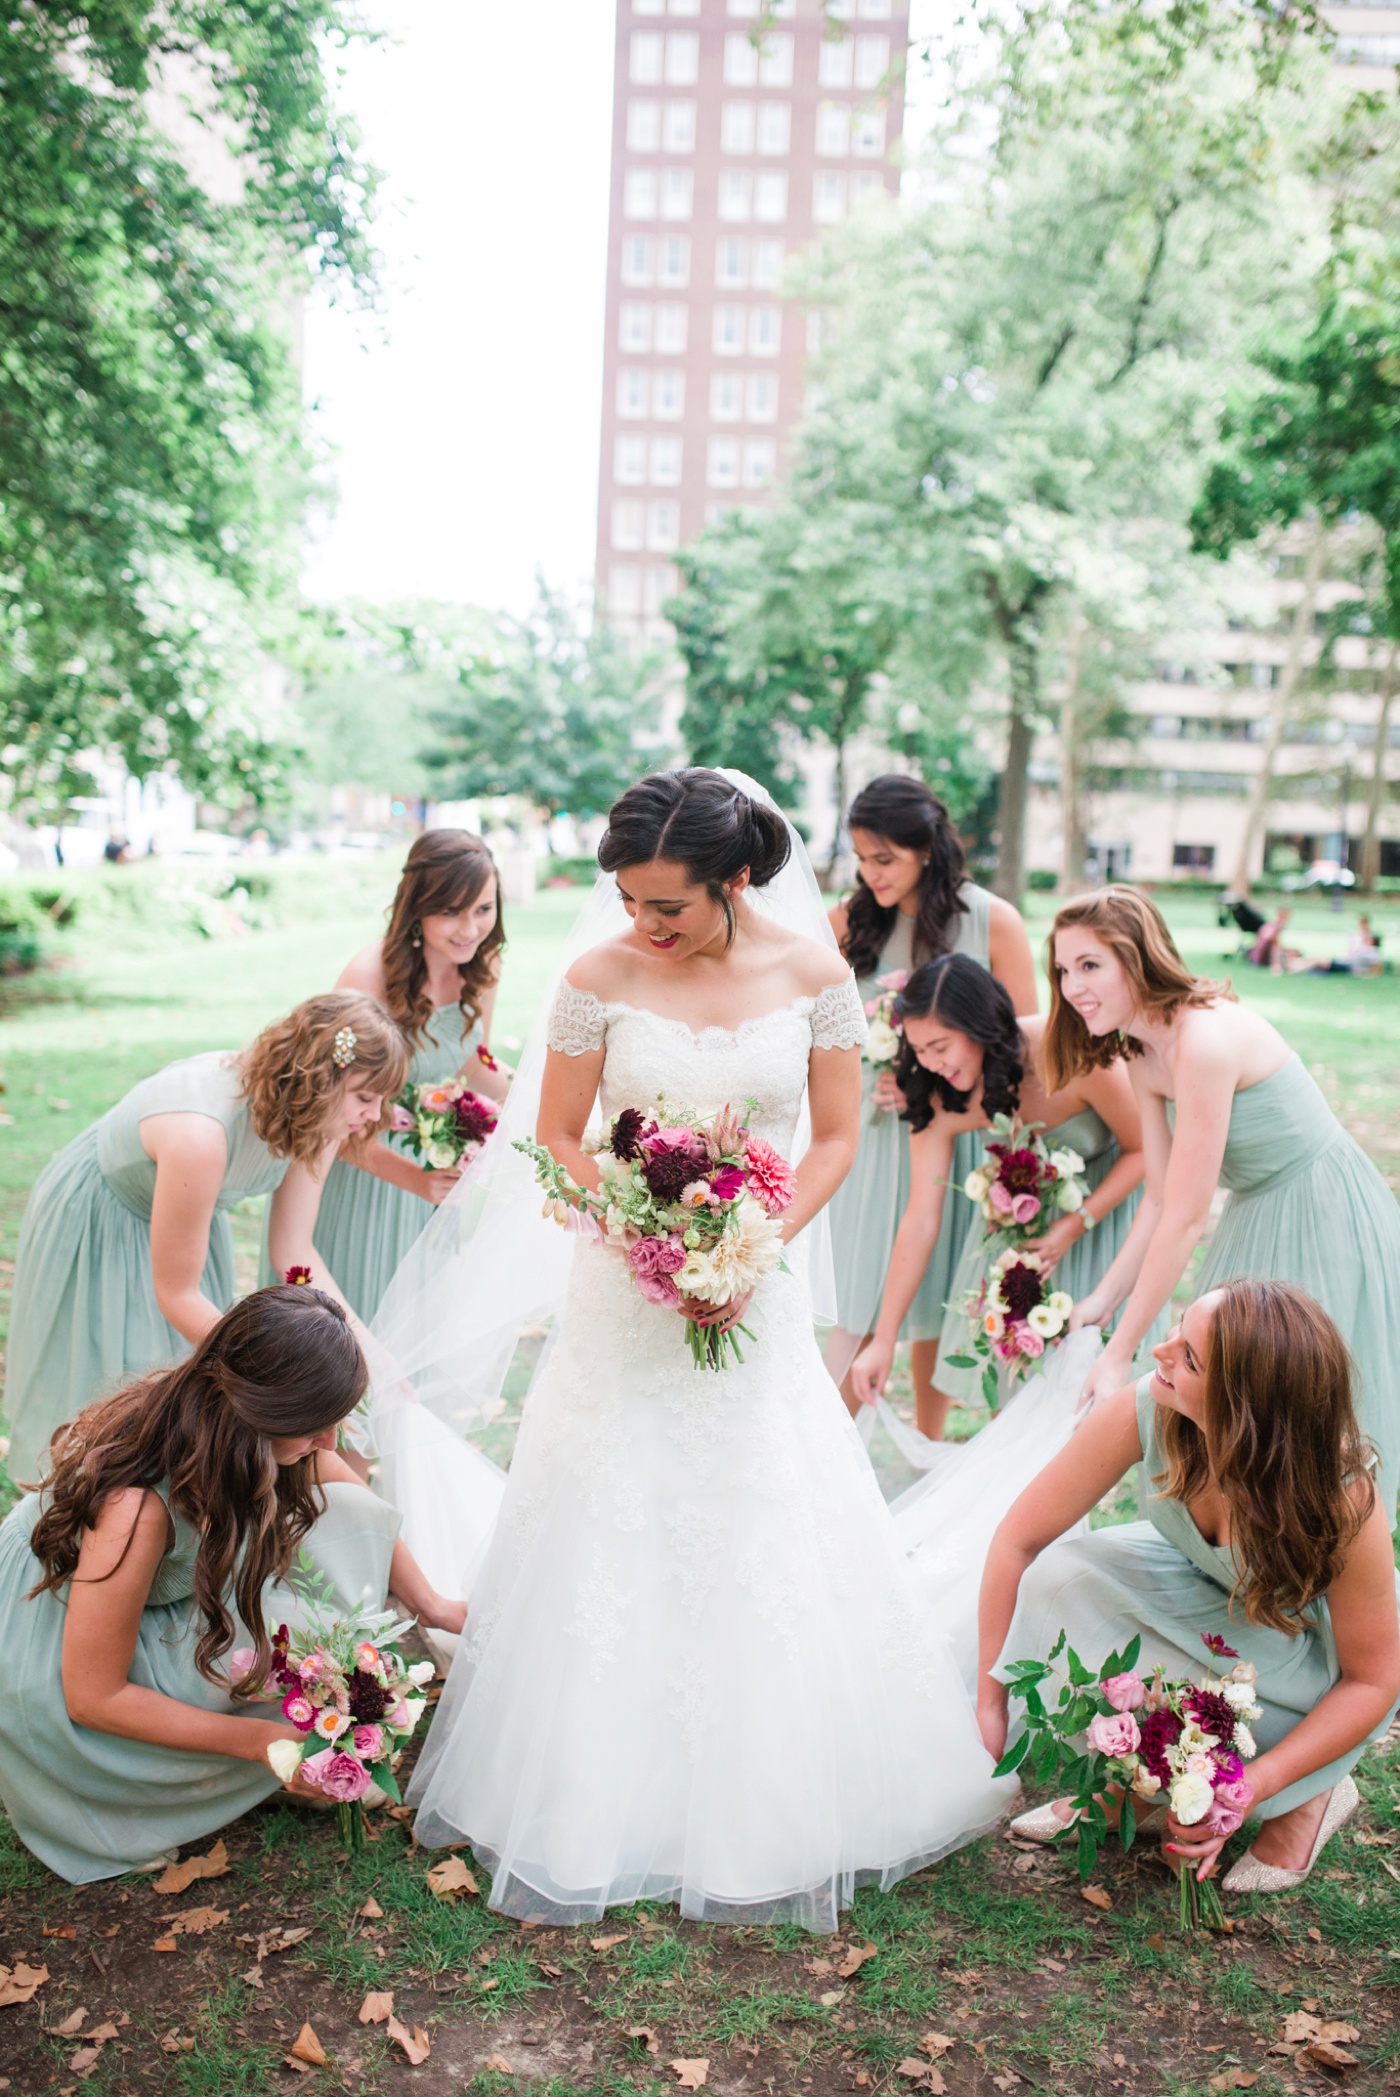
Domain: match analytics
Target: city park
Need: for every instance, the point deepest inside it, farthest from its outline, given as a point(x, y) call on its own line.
point(1171, 389)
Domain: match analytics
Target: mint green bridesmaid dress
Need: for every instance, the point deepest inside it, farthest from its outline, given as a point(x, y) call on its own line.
point(85, 1314)
point(866, 1207)
point(364, 1226)
point(1160, 1580)
point(1306, 1205)
point(91, 1805)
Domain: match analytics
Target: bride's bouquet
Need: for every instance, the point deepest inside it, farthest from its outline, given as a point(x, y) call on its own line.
point(690, 1202)
point(1020, 1186)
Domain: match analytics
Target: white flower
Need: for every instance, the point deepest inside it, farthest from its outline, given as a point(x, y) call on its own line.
point(421, 1671)
point(1044, 1320)
point(1067, 1162)
point(1069, 1195)
point(1238, 1695)
point(976, 1184)
point(697, 1277)
point(1060, 1301)
point(440, 1155)
point(284, 1758)
point(1244, 1671)
point(881, 1043)
point(1191, 1799)
point(330, 1724)
point(1146, 1782)
point(1191, 1739)
point(414, 1707)
point(1244, 1743)
point(1199, 1766)
point(750, 1248)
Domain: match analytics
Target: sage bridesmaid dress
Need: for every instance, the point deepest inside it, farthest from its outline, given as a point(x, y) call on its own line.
point(85, 1314)
point(91, 1805)
point(867, 1206)
point(1161, 1581)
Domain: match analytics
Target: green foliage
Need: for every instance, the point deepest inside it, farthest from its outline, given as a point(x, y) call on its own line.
point(731, 716)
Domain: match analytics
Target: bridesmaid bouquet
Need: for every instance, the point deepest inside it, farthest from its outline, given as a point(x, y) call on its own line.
point(442, 1124)
point(354, 1699)
point(690, 1202)
point(1181, 1743)
point(883, 1038)
point(1012, 1318)
point(1020, 1186)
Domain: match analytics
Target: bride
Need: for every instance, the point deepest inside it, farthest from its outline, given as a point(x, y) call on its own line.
point(698, 1665)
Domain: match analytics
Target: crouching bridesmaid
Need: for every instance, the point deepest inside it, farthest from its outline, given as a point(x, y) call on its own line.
point(1263, 1526)
point(158, 1542)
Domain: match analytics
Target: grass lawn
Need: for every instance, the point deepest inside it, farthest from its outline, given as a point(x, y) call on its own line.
point(987, 1973)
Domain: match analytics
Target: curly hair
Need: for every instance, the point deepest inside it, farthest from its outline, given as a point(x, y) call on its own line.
point(964, 995)
point(1135, 932)
point(1281, 1445)
point(445, 871)
point(910, 814)
point(292, 1081)
point(282, 1362)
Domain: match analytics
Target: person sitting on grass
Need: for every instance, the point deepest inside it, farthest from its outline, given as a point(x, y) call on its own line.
point(159, 1541)
point(1262, 1525)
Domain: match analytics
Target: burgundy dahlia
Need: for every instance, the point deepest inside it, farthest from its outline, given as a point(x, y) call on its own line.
point(1019, 1171)
point(1211, 1712)
point(668, 1173)
point(1022, 1288)
point(475, 1118)
point(369, 1700)
point(1160, 1730)
point(629, 1131)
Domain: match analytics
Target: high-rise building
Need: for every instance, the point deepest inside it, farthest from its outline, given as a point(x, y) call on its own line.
point(740, 130)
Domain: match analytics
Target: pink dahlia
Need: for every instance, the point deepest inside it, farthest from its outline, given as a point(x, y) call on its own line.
point(772, 1181)
point(727, 1183)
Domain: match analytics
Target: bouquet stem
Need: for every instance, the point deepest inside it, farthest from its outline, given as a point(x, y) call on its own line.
point(351, 1819)
point(1198, 1903)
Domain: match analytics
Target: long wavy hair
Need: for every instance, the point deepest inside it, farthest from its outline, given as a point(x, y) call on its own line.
point(282, 1362)
point(445, 871)
point(1281, 1445)
point(908, 813)
point(291, 1078)
point(964, 995)
point(1134, 930)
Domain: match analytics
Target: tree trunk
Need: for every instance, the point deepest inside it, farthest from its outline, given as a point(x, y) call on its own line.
point(1370, 868)
point(1285, 692)
point(1013, 796)
point(1073, 751)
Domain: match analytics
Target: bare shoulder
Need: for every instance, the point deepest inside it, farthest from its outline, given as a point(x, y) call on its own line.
point(1211, 1041)
point(603, 971)
point(131, 1523)
point(838, 917)
point(365, 972)
point(1005, 918)
point(814, 966)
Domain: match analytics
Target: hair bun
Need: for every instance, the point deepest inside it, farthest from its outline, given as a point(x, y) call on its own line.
point(769, 844)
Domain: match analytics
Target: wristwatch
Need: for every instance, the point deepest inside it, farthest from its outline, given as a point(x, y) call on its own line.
point(1088, 1219)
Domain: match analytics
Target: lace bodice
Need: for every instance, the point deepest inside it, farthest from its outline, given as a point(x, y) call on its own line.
point(765, 1059)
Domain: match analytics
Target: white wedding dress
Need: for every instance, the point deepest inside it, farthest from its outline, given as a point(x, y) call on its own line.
point(699, 1665)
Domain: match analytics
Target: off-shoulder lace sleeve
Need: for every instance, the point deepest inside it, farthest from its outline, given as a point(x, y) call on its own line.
point(577, 1024)
point(838, 1017)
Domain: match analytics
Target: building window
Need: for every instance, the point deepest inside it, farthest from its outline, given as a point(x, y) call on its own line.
point(868, 134)
point(774, 127)
point(866, 183)
point(673, 262)
point(670, 331)
point(828, 199)
point(630, 461)
point(767, 264)
point(677, 192)
point(639, 193)
point(648, 7)
point(660, 583)
point(668, 396)
point(722, 462)
point(1194, 859)
point(760, 459)
point(836, 62)
point(634, 326)
point(775, 62)
point(683, 57)
point(631, 393)
point(625, 592)
point(731, 263)
point(737, 123)
point(761, 397)
point(726, 396)
point(678, 127)
point(833, 130)
point(729, 331)
point(872, 59)
point(765, 331)
point(735, 194)
point(770, 197)
point(779, 10)
point(663, 526)
point(646, 59)
point(692, 7)
point(1366, 51)
point(643, 127)
point(628, 525)
point(636, 259)
point(665, 462)
point(740, 62)
point(872, 10)
point(816, 331)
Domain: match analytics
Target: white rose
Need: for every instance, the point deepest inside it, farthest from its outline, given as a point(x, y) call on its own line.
point(1146, 1783)
point(1067, 1162)
point(1061, 1302)
point(881, 1043)
point(1069, 1195)
point(1191, 1799)
point(284, 1758)
point(976, 1184)
point(421, 1671)
point(1044, 1320)
point(415, 1707)
point(1238, 1695)
point(442, 1155)
point(697, 1277)
point(1244, 1743)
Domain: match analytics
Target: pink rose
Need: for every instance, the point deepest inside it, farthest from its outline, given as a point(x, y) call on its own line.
point(1230, 1808)
point(684, 1142)
point(658, 1288)
point(1125, 1692)
point(772, 1181)
point(340, 1776)
point(299, 1711)
point(1114, 1734)
point(1025, 1208)
point(999, 1199)
point(896, 980)
point(400, 1120)
point(1029, 1342)
point(369, 1743)
point(241, 1662)
point(651, 1258)
point(396, 1717)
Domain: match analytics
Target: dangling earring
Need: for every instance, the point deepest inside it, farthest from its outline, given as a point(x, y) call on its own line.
point(415, 934)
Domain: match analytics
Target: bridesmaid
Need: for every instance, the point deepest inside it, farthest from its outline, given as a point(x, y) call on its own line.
point(435, 972)
point(912, 901)
point(1263, 1526)
point(160, 1540)
point(1223, 1098)
point(125, 1254)
point(966, 1056)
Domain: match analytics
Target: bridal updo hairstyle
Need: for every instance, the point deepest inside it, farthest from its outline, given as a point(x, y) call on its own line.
point(282, 1362)
point(445, 871)
point(909, 814)
point(291, 1075)
point(701, 822)
point(1133, 929)
point(959, 991)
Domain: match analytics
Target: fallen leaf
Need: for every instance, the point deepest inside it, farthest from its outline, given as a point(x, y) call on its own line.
point(271, 1941)
point(607, 1943)
point(371, 1910)
point(1233, 2079)
point(1373, 1841)
point(301, 2067)
point(1316, 1936)
point(690, 2075)
point(1329, 2055)
point(173, 2043)
point(1095, 1896)
point(165, 1944)
point(307, 2047)
point(936, 2044)
point(831, 1998)
point(488, 1985)
point(176, 1877)
point(72, 2023)
point(1298, 2026)
point(414, 2043)
point(1155, 1943)
point(85, 2060)
point(497, 2064)
point(60, 1929)
point(193, 1922)
point(253, 1977)
point(20, 1983)
point(1341, 2034)
point(820, 1968)
point(554, 1972)
point(375, 2008)
point(923, 2075)
point(647, 2036)
point(1005, 2082)
point(450, 1878)
point(856, 1957)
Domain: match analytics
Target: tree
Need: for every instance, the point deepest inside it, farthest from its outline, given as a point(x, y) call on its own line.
point(152, 470)
point(731, 715)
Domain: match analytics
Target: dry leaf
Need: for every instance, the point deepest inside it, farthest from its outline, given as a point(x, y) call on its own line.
point(607, 1943)
point(1329, 2055)
point(1156, 1943)
point(497, 2064)
point(290, 2061)
point(177, 1877)
point(375, 2008)
point(1095, 1896)
point(307, 2047)
point(253, 1977)
point(273, 1940)
point(1233, 2079)
point(193, 1922)
point(165, 1944)
point(554, 1972)
point(820, 1968)
point(831, 1998)
point(85, 2060)
point(922, 2074)
point(60, 1929)
point(173, 2043)
point(1005, 2082)
point(72, 2023)
point(414, 2043)
point(450, 1878)
point(647, 2036)
point(1316, 1936)
point(371, 1910)
point(690, 2075)
point(20, 1983)
point(936, 2044)
point(856, 1957)
point(1341, 2034)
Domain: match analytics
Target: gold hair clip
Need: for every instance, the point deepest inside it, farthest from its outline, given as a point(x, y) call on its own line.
point(343, 1048)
